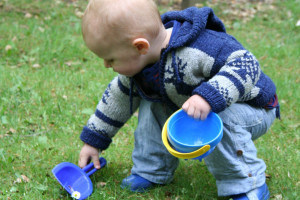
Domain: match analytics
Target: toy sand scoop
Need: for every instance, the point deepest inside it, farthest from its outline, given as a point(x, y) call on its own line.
point(76, 181)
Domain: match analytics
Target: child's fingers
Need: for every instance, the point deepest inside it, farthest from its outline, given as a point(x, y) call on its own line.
point(185, 106)
point(191, 111)
point(203, 115)
point(197, 114)
point(96, 161)
point(83, 161)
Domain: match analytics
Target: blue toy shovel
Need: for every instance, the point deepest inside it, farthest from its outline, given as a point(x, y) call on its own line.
point(75, 180)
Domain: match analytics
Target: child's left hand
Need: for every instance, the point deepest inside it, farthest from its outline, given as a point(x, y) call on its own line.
point(197, 107)
point(88, 153)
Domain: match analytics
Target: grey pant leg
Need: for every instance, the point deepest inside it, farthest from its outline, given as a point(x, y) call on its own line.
point(234, 161)
point(150, 157)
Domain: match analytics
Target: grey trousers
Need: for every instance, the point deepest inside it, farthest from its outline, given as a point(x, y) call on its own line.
point(233, 163)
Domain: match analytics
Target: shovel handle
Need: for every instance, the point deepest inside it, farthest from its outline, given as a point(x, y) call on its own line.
point(89, 169)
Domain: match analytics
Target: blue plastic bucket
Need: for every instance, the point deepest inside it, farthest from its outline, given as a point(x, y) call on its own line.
point(76, 180)
point(186, 134)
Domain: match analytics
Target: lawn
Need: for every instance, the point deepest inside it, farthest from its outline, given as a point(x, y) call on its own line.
point(50, 84)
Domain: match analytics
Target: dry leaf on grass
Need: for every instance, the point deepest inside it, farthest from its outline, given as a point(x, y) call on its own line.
point(36, 65)
point(101, 184)
point(41, 29)
point(8, 47)
point(4, 135)
point(28, 15)
point(277, 196)
point(23, 178)
point(268, 176)
point(78, 13)
point(19, 180)
point(11, 131)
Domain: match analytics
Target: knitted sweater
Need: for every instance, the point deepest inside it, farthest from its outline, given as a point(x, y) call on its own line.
point(202, 59)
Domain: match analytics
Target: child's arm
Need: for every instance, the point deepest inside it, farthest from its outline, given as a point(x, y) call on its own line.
point(112, 111)
point(197, 107)
point(89, 153)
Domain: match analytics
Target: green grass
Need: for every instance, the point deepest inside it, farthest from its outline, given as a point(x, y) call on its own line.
point(44, 107)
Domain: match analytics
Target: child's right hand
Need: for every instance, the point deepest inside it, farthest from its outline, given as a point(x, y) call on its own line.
point(87, 154)
point(197, 107)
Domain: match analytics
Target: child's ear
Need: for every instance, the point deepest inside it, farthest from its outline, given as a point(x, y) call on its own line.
point(142, 45)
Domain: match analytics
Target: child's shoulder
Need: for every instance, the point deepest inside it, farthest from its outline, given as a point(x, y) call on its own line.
point(215, 38)
point(212, 43)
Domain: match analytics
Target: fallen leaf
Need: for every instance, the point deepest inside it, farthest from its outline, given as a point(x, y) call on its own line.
point(25, 178)
point(53, 92)
point(283, 101)
point(41, 187)
point(58, 2)
point(263, 57)
point(68, 63)
point(268, 176)
point(199, 5)
point(19, 180)
point(11, 130)
point(78, 13)
point(298, 23)
point(43, 139)
point(277, 196)
point(4, 120)
point(101, 184)
point(28, 15)
point(125, 171)
point(47, 18)
point(87, 111)
point(4, 135)
point(13, 189)
point(294, 125)
point(36, 65)
point(8, 47)
point(41, 29)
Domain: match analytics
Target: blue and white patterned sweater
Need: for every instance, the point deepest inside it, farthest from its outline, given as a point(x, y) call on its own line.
point(200, 59)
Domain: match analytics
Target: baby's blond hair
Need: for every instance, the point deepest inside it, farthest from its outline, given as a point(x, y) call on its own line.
point(121, 19)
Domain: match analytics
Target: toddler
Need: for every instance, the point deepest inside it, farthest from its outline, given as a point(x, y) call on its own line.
point(182, 59)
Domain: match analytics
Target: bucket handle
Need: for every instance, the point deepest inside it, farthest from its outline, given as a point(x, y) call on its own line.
point(89, 169)
point(177, 154)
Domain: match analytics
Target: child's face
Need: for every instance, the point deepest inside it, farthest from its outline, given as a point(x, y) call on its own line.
point(122, 58)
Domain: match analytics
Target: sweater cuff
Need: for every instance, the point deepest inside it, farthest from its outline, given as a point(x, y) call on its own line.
point(95, 139)
point(212, 96)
